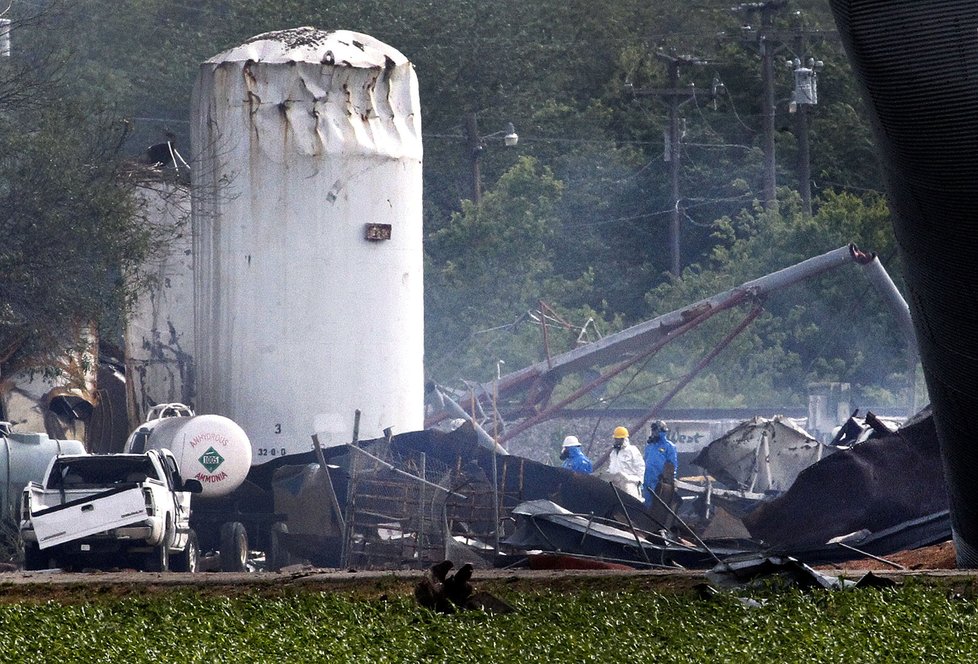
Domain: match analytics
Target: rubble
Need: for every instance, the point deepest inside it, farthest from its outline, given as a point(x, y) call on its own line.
point(761, 455)
point(419, 498)
point(876, 485)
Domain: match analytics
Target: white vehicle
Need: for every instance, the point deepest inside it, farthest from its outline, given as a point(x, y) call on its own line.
point(91, 509)
point(217, 452)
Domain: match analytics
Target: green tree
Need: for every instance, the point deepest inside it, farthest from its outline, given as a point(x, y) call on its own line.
point(67, 217)
point(833, 327)
point(486, 269)
point(592, 239)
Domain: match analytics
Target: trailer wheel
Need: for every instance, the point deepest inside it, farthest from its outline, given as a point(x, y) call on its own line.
point(158, 560)
point(34, 559)
point(234, 547)
point(187, 560)
point(277, 554)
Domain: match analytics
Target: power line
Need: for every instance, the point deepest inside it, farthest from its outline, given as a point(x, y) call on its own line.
point(552, 139)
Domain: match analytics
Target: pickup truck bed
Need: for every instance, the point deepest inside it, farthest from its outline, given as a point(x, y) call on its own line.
point(90, 514)
point(120, 509)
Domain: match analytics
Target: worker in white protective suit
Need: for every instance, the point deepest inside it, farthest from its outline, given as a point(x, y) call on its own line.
point(625, 465)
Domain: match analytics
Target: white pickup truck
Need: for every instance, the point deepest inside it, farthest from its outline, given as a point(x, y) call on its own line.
point(90, 509)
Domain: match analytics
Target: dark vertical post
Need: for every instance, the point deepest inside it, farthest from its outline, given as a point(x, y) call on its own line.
point(474, 146)
point(801, 131)
point(767, 113)
point(804, 163)
point(674, 155)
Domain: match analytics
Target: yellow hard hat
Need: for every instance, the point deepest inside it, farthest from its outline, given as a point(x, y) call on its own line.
point(620, 432)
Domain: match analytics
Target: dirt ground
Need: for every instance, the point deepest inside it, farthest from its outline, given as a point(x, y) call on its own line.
point(933, 561)
point(938, 556)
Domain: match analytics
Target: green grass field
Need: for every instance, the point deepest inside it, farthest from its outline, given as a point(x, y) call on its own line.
point(913, 623)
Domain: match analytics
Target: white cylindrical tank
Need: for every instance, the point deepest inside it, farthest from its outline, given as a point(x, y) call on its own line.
point(208, 448)
point(24, 458)
point(5, 37)
point(160, 327)
point(307, 239)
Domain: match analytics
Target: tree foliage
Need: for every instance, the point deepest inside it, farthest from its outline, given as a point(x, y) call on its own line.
point(834, 327)
point(70, 228)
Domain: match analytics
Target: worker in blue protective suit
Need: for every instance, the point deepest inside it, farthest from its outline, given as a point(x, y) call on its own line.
point(573, 457)
point(660, 452)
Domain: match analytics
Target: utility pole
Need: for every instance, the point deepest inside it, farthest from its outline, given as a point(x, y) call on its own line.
point(769, 42)
point(474, 145)
point(767, 113)
point(673, 154)
point(804, 158)
point(675, 98)
point(767, 48)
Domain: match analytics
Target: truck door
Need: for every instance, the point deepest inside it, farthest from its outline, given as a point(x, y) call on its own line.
point(181, 499)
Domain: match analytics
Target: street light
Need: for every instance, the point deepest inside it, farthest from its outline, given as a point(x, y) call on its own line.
point(476, 145)
point(511, 138)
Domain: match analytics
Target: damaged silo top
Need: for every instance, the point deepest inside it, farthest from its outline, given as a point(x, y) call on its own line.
point(306, 44)
point(348, 92)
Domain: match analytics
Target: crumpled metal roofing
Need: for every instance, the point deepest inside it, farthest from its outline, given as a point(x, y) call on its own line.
point(761, 454)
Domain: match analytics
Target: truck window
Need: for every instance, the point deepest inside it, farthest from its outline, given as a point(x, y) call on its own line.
point(139, 441)
point(173, 473)
point(100, 471)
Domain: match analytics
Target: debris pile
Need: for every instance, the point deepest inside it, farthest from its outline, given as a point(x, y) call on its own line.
point(426, 497)
point(876, 485)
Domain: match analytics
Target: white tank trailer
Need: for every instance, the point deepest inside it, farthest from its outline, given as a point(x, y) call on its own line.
point(307, 226)
point(209, 448)
point(217, 452)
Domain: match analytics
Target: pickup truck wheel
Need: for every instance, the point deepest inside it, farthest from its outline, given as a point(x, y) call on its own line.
point(34, 559)
point(158, 560)
point(186, 560)
point(277, 555)
point(234, 547)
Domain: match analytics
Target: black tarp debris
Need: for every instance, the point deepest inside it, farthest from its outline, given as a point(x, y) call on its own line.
point(877, 485)
point(858, 429)
point(545, 526)
point(763, 569)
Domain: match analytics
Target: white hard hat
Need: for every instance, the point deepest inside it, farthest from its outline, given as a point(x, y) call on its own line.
point(571, 441)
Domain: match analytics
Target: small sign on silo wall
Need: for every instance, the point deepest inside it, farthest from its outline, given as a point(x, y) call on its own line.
point(307, 239)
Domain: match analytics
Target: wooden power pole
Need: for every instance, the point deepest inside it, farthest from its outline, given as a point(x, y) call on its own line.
point(473, 146)
point(674, 98)
point(767, 47)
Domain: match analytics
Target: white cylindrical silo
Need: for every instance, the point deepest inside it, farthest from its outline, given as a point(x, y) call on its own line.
point(159, 336)
point(5, 37)
point(307, 239)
